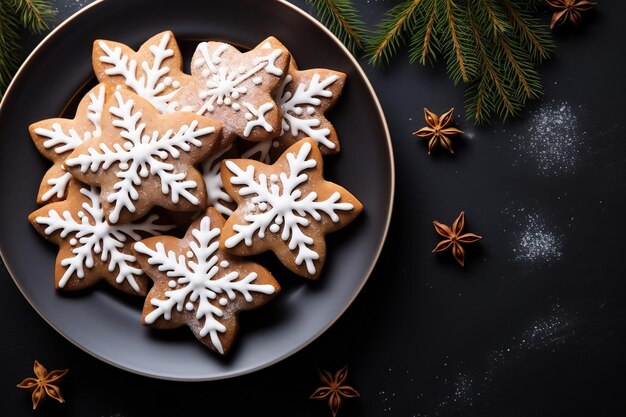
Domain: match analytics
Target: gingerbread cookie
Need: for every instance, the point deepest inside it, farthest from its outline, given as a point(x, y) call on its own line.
point(236, 88)
point(90, 248)
point(57, 138)
point(304, 97)
point(286, 207)
point(197, 284)
point(144, 159)
point(154, 72)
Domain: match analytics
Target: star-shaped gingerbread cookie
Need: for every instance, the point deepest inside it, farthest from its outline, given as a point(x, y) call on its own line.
point(57, 138)
point(286, 207)
point(236, 88)
point(90, 248)
point(144, 159)
point(199, 285)
point(304, 98)
point(154, 72)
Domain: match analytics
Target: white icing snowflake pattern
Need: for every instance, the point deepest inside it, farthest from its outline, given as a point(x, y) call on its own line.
point(282, 206)
point(302, 102)
point(142, 154)
point(195, 283)
point(223, 84)
point(93, 236)
point(62, 141)
point(154, 78)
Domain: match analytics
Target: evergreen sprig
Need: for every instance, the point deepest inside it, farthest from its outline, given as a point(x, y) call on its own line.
point(343, 20)
point(32, 15)
point(492, 46)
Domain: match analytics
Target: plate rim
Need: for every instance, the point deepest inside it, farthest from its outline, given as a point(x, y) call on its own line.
point(357, 291)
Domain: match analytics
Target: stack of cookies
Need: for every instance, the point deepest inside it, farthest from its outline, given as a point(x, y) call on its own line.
point(233, 152)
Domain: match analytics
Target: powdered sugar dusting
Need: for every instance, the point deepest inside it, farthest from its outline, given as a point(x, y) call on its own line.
point(550, 140)
point(536, 243)
point(534, 239)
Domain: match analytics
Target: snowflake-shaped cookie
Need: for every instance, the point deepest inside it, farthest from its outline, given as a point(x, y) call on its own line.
point(236, 88)
point(286, 207)
point(144, 159)
point(90, 248)
point(154, 72)
point(304, 97)
point(197, 284)
point(57, 138)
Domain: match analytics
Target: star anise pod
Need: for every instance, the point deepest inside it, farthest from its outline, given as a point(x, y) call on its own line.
point(43, 384)
point(438, 130)
point(454, 238)
point(568, 11)
point(334, 389)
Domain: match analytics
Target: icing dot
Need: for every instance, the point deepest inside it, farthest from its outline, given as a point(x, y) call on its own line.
point(176, 84)
point(310, 110)
point(274, 228)
point(189, 306)
point(73, 242)
point(205, 73)
point(118, 88)
point(172, 283)
point(128, 146)
point(274, 178)
point(223, 301)
point(87, 135)
point(167, 81)
point(227, 101)
point(235, 95)
point(236, 106)
point(189, 254)
point(242, 69)
point(198, 63)
point(81, 214)
point(257, 80)
point(224, 264)
point(243, 90)
point(249, 116)
point(263, 205)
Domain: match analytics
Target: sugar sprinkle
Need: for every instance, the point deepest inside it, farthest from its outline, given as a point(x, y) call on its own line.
point(550, 140)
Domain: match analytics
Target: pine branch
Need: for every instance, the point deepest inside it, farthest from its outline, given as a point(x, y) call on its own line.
point(460, 57)
point(424, 43)
point(9, 46)
point(35, 15)
point(343, 20)
point(393, 31)
point(492, 92)
point(534, 35)
point(492, 46)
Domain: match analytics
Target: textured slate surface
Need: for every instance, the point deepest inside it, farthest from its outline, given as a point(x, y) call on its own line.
point(533, 326)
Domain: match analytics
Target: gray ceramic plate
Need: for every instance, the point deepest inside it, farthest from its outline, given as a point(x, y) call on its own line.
point(106, 324)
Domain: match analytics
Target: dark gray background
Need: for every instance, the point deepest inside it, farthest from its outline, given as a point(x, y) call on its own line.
point(533, 326)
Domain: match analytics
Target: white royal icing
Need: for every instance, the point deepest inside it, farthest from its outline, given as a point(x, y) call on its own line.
point(278, 204)
point(223, 83)
point(142, 154)
point(93, 236)
point(200, 281)
point(299, 103)
point(152, 80)
point(66, 141)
